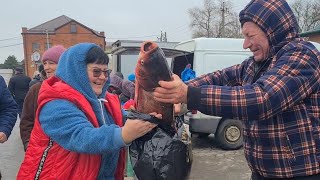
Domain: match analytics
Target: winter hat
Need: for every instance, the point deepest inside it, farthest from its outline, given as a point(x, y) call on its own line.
point(128, 88)
point(115, 81)
point(131, 77)
point(53, 54)
point(19, 69)
point(119, 74)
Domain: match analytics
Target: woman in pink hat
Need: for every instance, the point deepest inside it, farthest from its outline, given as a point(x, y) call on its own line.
point(50, 59)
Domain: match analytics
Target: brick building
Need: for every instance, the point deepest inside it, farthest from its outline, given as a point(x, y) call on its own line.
point(59, 31)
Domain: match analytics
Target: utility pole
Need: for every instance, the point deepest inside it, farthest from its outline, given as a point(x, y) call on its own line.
point(165, 37)
point(223, 10)
point(47, 39)
point(161, 37)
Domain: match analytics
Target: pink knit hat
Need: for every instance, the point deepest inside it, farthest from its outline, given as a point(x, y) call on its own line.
point(53, 54)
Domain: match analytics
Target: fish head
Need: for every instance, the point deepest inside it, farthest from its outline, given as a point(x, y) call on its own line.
point(152, 66)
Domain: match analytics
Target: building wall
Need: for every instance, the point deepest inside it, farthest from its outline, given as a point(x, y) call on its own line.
point(61, 36)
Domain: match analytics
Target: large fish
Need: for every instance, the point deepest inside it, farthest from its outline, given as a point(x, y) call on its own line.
point(152, 67)
point(165, 152)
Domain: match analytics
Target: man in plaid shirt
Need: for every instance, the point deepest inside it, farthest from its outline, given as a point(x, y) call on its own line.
point(275, 93)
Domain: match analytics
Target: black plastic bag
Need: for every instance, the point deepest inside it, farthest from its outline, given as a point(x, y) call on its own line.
point(163, 153)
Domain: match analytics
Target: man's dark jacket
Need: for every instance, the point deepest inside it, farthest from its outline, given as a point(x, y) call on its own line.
point(19, 86)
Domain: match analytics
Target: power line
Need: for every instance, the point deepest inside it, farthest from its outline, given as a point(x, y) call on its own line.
point(180, 32)
point(19, 43)
point(10, 38)
point(179, 29)
point(10, 45)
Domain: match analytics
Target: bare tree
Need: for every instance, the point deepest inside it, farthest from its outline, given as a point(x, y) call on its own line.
point(215, 19)
point(307, 14)
point(202, 19)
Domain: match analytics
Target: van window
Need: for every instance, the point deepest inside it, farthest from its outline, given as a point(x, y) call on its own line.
point(179, 63)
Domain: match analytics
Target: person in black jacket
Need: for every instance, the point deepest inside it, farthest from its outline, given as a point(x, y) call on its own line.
point(19, 86)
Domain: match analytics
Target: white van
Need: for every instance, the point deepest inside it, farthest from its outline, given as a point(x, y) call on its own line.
point(208, 55)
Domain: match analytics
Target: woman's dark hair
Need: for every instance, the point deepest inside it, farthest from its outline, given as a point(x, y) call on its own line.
point(97, 56)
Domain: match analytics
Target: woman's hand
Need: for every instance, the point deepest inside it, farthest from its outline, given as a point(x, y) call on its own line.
point(135, 128)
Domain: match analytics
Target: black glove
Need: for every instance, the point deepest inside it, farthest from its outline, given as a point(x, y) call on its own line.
point(146, 117)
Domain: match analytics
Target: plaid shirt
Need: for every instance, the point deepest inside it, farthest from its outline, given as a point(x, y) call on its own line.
point(279, 105)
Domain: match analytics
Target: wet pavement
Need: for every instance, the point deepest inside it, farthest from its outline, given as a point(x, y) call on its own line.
point(209, 161)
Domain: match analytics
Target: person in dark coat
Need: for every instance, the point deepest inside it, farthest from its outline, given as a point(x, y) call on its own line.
point(8, 112)
point(19, 87)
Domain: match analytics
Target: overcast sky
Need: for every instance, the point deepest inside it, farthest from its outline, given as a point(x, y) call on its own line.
point(119, 19)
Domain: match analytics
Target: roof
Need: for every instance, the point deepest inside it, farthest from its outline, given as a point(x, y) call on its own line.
point(132, 47)
point(316, 30)
point(56, 23)
point(52, 25)
point(212, 44)
point(131, 43)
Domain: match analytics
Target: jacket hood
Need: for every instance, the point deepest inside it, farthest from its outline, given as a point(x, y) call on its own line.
point(275, 18)
point(72, 69)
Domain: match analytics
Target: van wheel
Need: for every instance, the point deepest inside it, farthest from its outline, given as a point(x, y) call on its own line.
point(229, 134)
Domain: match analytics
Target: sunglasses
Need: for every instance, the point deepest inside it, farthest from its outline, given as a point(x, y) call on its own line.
point(97, 72)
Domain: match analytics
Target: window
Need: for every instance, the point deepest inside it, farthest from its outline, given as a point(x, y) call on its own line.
point(46, 45)
point(73, 28)
point(35, 47)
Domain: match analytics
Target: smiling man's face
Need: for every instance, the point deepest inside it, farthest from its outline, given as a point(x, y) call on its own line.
point(256, 40)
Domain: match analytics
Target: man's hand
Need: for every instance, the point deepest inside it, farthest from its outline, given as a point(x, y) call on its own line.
point(3, 137)
point(174, 91)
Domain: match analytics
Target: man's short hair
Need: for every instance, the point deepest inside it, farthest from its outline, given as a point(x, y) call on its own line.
point(19, 69)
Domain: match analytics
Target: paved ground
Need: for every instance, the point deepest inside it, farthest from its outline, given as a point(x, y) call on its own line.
point(210, 162)
point(11, 155)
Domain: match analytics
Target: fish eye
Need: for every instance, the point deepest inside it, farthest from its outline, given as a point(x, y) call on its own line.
point(142, 61)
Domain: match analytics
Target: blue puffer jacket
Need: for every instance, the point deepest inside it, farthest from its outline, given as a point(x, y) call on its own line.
point(8, 109)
